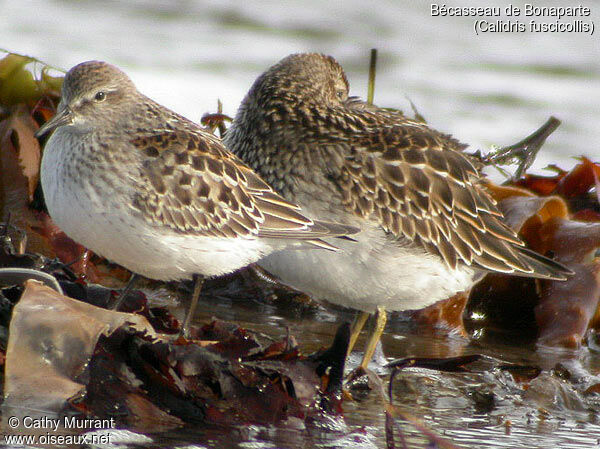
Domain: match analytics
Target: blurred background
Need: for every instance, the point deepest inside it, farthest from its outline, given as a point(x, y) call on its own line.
point(486, 89)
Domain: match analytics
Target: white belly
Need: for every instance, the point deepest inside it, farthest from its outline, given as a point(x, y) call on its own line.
point(370, 272)
point(100, 217)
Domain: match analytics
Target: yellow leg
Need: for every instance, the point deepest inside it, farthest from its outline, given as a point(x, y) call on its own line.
point(374, 336)
point(357, 325)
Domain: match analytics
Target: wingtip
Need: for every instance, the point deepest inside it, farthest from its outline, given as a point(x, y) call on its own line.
point(544, 267)
point(328, 229)
point(322, 244)
point(335, 229)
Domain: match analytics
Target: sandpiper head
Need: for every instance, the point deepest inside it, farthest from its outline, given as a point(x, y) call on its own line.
point(303, 77)
point(91, 90)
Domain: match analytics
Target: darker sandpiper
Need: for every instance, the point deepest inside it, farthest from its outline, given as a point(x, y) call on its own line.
point(428, 227)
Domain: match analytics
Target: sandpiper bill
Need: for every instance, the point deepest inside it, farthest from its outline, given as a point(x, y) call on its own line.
point(428, 227)
point(154, 192)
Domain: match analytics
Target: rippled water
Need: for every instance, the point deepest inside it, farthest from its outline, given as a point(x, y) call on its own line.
point(487, 89)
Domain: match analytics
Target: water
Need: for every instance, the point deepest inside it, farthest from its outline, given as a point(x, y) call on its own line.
point(549, 412)
point(491, 89)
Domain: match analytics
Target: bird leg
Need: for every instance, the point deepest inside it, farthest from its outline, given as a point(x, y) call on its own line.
point(185, 327)
point(134, 277)
point(380, 318)
point(359, 322)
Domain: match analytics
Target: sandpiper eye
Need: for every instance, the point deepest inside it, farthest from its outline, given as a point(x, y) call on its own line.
point(100, 96)
point(341, 94)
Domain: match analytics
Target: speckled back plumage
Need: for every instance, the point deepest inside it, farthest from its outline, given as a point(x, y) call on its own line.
point(188, 181)
point(153, 191)
point(297, 125)
point(193, 185)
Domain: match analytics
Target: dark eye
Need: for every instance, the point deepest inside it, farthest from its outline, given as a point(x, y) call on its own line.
point(341, 94)
point(100, 96)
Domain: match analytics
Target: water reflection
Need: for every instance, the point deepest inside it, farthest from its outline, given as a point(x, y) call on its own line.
point(486, 408)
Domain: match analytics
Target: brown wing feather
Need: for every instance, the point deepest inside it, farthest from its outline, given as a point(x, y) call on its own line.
point(427, 192)
point(192, 184)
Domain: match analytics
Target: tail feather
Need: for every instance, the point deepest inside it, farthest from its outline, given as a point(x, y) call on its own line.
point(543, 267)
